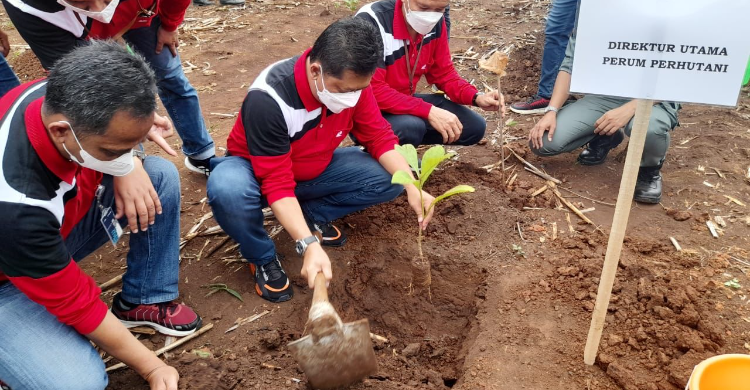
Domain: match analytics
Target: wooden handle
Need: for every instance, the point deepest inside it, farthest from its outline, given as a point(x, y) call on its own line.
point(320, 294)
point(619, 226)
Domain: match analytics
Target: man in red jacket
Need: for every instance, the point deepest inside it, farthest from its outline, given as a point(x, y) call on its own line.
point(415, 43)
point(68, 180)
point(150, 26)
point(284, 153)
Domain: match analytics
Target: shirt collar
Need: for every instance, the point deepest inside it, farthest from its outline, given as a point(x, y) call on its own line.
point(400, 30)
point(303, 86)
point(43, 145)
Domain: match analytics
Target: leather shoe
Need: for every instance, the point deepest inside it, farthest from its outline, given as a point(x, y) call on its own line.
point(202, 2)
point(648, 185)
point(596, 151)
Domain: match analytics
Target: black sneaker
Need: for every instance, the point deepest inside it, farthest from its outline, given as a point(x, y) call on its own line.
point(271, 282)
point(199, 166)
point(330, 235)
point(534, 105)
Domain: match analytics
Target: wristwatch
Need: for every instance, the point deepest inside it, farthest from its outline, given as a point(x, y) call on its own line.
point(301, 245)
point(551, 108)
point(474, 99)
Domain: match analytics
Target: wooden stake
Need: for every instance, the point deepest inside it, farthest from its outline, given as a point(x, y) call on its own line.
point(619, 226)
point(172, 346)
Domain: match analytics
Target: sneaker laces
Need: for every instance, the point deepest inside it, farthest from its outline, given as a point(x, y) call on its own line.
point(273, 270)
point(165, 307)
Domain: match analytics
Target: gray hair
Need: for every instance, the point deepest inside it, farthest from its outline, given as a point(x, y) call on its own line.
point(92, 83)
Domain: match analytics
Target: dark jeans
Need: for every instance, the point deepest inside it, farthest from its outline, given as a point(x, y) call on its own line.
point(352, 181)
point(416, 131)
point(8, 79)
point(560, 22)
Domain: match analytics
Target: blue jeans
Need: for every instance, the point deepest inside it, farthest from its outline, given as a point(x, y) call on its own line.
point(353, 181)
point(560, 22)
point(416, 131)
point(39, 352)
point(179, 97)
point(8, 79)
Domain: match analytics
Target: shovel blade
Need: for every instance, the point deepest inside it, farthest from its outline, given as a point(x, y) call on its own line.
point(338, 360)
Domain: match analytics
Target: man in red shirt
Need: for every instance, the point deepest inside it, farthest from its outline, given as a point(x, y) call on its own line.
point(415, 43)
point(53, 28)
point(284, 153)
point(68, 180)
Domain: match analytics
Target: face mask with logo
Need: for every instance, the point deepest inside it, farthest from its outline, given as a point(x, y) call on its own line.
point(104, 16)
point(120, 166)
point(422, 21)
point(336, 102)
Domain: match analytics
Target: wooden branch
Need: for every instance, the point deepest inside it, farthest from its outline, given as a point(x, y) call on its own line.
point(106, 285)
point(570, 205)
point(172, 346)
point(587, 198)
point(534, 169)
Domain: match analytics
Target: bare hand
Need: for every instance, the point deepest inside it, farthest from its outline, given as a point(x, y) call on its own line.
point(419, 207)
point(5, 43)
point(136, 198)
point(446, 123)
point(163, 378)
point(167, 38)
point(492, 101)
point(316, 260)
point(614, 119)
point(547, 124)
point(161, 130)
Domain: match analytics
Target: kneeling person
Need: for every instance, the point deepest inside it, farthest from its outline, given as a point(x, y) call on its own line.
point(598, 121)
point(284, 153)
point(415, 44)
point(68, 173)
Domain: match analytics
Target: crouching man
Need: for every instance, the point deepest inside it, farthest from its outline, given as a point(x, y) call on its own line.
point(69, 179)
point(284, 153)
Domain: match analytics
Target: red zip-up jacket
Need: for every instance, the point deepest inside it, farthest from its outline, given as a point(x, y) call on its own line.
point(42, 197)
point(289, 136)
point(391, 83)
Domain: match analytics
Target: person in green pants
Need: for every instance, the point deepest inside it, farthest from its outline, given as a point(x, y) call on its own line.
point(598, 123)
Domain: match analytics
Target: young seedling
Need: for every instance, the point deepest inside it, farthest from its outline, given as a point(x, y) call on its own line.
point(420, 266)
point(216, 287)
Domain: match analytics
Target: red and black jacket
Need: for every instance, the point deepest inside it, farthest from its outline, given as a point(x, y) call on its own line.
point(391, 83)
point(42, 197)
point(289, 136)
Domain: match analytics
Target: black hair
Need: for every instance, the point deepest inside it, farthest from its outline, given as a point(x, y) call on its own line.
point(349, 44)
point(93, 82)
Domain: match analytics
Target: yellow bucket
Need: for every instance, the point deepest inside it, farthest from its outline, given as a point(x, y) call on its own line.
point(723, 372)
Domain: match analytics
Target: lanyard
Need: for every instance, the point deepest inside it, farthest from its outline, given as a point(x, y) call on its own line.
point(409, 70)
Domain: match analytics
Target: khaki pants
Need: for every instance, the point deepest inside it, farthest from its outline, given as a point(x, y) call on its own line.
point(575, 128)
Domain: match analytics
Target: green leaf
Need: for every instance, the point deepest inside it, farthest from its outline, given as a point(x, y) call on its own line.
point(734, 283)
point(431, 159)
point(460, 189)
point(235, 293)
point(410, 154)
point(403, 178)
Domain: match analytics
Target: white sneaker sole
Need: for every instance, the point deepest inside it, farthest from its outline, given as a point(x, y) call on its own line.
point(195, 169)
point(528, 112)
point(159, 328)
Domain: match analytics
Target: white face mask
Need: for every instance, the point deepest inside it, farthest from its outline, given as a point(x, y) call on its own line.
point(104, 16)
point(336, 102)
point(422, 21)
point(120, 166)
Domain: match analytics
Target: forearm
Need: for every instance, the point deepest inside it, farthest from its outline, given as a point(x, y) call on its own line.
point(289, 214)
point(561, 91)
point(116, 340)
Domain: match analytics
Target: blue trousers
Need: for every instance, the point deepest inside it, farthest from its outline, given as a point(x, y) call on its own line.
point(8, 79)
point(352, 181)
point(416, 131)
point(176, 93)
point(37, 352)
point(560, 22)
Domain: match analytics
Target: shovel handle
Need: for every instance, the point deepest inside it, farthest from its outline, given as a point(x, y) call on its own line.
point(320, 294)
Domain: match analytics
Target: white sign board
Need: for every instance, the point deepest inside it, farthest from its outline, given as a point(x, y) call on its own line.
point(692, 51)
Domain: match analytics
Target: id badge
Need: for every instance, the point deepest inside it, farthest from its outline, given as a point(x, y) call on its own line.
point(111, 225)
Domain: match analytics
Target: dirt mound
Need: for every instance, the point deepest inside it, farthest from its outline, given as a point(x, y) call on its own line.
point(26, 66)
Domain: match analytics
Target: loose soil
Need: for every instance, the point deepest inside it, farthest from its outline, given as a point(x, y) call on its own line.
point(513, 283)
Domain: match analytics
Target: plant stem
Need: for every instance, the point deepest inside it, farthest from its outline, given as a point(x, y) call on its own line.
point(419, 244)
point(421, 207)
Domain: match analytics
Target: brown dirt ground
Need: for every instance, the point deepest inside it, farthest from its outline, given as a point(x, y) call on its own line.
point(510, 309)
